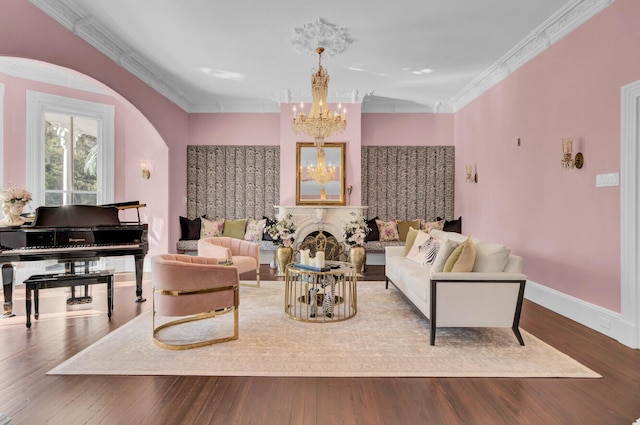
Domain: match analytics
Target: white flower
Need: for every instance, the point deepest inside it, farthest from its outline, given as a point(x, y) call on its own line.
point(14, 195)
point(283, 232)
point(355, 231)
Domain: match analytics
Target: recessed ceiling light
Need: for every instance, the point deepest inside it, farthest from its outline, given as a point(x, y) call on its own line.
point(423, 71)
point(225, 75)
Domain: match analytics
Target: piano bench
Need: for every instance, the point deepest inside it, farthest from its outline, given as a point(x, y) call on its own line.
point(45, 281)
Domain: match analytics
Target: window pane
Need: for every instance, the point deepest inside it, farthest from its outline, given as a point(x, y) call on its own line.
point(85, 199)
point(53, 151)
point(71, 158)
point(53, 199)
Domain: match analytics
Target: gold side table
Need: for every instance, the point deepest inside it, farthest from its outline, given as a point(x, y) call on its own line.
point(321, 296)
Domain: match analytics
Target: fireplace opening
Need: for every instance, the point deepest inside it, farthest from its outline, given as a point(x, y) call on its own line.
point(321, 240)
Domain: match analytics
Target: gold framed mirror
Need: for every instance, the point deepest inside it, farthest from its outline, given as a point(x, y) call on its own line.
point(320, 175)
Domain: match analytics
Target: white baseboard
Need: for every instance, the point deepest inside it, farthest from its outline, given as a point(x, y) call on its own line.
point(590, 315)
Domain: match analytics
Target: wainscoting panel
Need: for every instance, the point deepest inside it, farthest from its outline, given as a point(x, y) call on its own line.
point(408, 182)
point(232, 181)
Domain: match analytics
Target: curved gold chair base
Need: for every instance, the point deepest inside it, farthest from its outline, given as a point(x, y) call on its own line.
point(194, 318)
point(257, 285)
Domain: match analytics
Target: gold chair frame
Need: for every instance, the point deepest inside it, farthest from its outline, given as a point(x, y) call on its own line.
point(195, 317)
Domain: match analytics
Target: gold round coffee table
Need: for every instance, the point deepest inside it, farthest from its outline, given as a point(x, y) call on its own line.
point(321, 296)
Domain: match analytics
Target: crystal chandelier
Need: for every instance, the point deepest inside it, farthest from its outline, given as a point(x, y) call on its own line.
point(320, 122)
point(321, 173)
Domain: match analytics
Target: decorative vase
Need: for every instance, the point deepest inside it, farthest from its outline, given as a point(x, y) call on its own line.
point(358, 257)
point(283, 257)
point(12, 211)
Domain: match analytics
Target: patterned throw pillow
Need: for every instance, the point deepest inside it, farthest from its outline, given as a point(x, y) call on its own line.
point(255, 229)
point(388, 230)
point(424, 249)
point(428, 226)
point(211, 228)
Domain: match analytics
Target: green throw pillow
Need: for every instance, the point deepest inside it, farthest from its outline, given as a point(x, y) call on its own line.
point(234, 228)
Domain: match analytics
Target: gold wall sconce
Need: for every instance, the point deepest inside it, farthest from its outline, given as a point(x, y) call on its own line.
point(567, 160)
point(144, 170)
point(471, 176)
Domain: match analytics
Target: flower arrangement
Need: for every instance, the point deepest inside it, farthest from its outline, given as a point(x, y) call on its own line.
point(283, 232)
point(14, 195)
point(355, 231)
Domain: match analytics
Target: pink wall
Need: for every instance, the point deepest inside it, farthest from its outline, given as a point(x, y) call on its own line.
point(234, 129)
point(135, 139)
point(27, 32)
point(407, 129)
point(567, 230)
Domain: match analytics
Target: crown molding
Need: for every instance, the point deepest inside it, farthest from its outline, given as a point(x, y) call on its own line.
point(572, 15)
point(48, 74)
point(561, 23)
point(85, 27)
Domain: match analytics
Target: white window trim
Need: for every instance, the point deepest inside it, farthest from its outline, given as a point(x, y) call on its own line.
point(37, 104)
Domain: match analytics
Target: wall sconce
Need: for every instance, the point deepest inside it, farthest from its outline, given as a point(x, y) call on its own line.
point(471, 177)
point(145, 173)
point(567, 160)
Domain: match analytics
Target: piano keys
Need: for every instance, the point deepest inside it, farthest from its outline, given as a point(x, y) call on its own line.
point(70, 234)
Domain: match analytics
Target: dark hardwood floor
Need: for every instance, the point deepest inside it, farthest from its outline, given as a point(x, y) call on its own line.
point(29, 396)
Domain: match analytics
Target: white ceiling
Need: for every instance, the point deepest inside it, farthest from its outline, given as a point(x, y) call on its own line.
point(214, 56)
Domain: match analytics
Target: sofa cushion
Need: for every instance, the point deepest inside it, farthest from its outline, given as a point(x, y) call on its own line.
point(452, 225)
point(404, 226)
point(491, 257)
point(234, 228)
point(428, 226)
point(446, 248)
point(462, 258)
point(424, 249)
point(411, 237)
point(211, 228)
point(373, 234)
point(388, 230)
point(190, 229)
point(255, 230)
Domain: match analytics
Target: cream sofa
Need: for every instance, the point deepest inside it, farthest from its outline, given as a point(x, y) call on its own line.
point(489, 296)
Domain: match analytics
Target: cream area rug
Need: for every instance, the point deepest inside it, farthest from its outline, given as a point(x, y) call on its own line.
point(386, 338)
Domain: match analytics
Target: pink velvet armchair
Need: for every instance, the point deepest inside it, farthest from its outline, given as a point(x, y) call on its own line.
point(245, 255)
point(192, 288)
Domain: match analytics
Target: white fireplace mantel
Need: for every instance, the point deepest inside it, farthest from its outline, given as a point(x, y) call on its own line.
point(310, 218)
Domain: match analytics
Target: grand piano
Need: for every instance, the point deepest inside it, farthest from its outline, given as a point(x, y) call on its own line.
point(73, 234)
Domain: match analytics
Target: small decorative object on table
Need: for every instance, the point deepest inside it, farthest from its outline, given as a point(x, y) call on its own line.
point(13, 201)
point(283, 233)
point(355, 232)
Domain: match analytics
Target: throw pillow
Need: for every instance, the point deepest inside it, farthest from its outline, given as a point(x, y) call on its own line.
point(403, 228)
point(270, 221)
point(428, 226)
point(211, 228)
point(424, 249)
point(373, 234)
point(411, 237)
point(462, 258)
point(446, 248)
point(452, 225)
point(491, 257)
point(388, 230)
point(190, 229)
point(255, 230)
point(234, 228)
